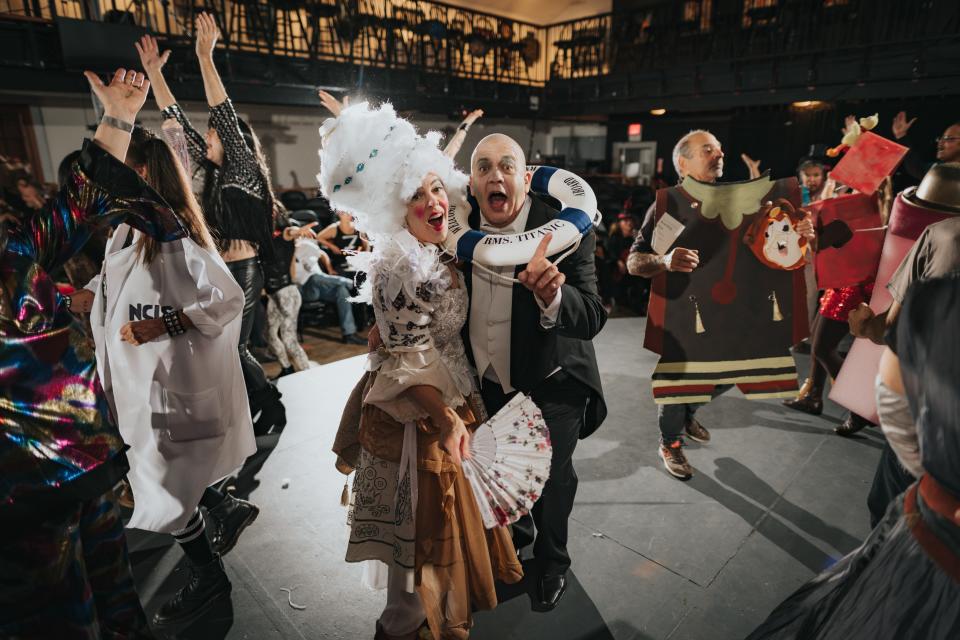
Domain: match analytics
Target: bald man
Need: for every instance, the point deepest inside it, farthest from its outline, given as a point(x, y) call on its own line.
point(535, 337)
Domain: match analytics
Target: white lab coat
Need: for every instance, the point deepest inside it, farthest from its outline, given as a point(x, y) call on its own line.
point(180, 402)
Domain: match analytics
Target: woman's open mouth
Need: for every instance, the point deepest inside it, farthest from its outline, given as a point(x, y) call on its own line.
point(437, 220)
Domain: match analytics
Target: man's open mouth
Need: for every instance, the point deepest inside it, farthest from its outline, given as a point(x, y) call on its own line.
point(497, 200)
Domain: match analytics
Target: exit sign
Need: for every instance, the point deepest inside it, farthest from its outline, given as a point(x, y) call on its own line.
point(635, 132)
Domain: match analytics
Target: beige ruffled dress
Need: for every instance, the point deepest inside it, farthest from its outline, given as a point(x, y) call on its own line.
point(411, 505)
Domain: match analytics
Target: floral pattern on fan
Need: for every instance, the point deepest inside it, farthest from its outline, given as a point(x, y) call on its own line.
point(510, 462)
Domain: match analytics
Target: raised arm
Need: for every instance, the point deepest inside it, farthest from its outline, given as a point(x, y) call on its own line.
point(207, 34)
point(456, 140)
point(101, 189)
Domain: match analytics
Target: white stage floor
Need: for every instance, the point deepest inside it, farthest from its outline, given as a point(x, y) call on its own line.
point(776, 497)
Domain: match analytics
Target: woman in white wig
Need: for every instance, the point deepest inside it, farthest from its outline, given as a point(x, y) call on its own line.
point(413, 511)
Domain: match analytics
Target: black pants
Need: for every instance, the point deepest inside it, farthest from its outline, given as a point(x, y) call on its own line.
point(248, 275)
point(563, 402)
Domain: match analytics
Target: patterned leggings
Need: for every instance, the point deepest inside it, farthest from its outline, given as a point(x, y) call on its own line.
point(283, 307)
point(69, 577)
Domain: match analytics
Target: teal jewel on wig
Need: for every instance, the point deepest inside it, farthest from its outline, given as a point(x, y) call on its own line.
point(348, 180)
point(373, 154)
point(336, 188)
point(360, 167)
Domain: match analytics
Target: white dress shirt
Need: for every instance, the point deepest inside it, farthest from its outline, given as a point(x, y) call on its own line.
point(491, 310)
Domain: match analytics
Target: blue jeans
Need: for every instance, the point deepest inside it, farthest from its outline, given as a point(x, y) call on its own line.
point(322, 286)
point(673, 418)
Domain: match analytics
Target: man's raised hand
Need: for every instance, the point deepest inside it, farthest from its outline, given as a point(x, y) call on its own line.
point(541, 276)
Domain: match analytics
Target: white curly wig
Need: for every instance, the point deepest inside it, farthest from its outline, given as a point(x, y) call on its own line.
point(372, 162)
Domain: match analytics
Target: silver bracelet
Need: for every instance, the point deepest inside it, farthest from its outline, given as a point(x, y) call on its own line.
point(117, 123)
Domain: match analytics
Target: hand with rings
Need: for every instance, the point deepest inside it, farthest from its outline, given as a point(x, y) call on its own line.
point(124, 96)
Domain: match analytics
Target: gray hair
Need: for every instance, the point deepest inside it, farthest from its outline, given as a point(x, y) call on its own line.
point(682, 148)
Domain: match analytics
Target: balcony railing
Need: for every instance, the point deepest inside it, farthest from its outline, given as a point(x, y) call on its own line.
point(452, 41)
point(403, 34)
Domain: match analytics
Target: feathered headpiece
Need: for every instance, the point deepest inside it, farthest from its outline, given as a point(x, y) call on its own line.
point(372, 162)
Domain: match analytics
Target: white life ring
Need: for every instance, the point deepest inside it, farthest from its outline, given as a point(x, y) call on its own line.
point(578, 214)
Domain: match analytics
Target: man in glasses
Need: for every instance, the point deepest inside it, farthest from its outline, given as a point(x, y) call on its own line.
point(948, 146)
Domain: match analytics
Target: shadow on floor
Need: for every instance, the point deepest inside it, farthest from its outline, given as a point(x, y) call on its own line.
point(518, 616)
point(756, 516)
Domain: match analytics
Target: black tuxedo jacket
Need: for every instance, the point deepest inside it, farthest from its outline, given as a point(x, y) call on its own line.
point(535, 351)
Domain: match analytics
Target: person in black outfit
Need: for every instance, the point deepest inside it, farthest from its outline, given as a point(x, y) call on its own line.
point(626, 289)
point(915, 165)
point(338, 239)
point(237, 198)
point(535, 337)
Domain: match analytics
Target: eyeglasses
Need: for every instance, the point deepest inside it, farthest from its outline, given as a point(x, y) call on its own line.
point(946, 139)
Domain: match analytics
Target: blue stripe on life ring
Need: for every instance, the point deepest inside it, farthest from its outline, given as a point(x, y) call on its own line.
point(467, 243)
point(541, 179)
point(578, 218)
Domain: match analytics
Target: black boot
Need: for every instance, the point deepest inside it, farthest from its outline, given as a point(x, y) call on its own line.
point(206, 586)
point(284, 372)
point(227, 521)
point(272, 416)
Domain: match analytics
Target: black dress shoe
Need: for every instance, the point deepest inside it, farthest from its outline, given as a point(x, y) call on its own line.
point(551, 588)
point(852, 425)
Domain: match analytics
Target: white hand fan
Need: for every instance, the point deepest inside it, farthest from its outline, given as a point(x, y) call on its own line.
point(510, 462)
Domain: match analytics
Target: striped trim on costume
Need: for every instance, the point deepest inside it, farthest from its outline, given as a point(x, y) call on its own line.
point(694, 382)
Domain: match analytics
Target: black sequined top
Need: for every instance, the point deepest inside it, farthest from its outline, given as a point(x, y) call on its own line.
point(236, 206)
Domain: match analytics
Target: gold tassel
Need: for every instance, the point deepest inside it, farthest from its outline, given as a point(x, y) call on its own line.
point(698, 321)
point(345, 494)
point(777, 316)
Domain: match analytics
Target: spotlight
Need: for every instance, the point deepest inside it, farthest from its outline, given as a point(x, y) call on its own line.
point(658, 111)
point(808, 104)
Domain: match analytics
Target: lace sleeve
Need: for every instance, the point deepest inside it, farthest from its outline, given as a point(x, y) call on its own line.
point(409, 357)
point(240, 166)
point(196, 145)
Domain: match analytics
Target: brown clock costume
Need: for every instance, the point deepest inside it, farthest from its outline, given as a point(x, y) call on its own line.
point(733, 319)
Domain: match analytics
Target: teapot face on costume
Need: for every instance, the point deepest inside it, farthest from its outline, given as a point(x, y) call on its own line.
point(775, 241)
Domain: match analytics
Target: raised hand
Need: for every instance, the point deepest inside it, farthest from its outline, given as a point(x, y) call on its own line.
point(541, 276)
point(901, 125)
point(124, 96)
point(848, 124)
point(150, 56)
point(472, 117)
point(333, 105)
point(207, 34)
point(753, 166)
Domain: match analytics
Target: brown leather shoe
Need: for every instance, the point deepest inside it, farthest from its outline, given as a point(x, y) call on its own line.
point(697, 431)
point(809, 400)
point(674, 460)
point(852, 424)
